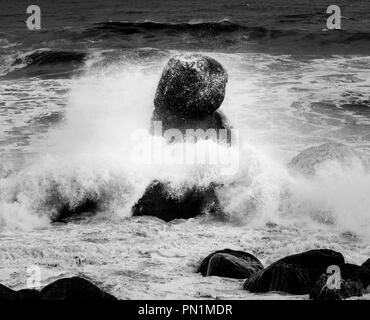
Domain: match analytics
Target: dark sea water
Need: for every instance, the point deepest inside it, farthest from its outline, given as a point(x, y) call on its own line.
point(227, 26)
point(72, 94)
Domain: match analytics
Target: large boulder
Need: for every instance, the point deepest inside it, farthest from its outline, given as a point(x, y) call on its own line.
point(294, 274)
point(366, 264)
point(192, 86)
point(308, 161)
point(351, 281)
point(191, 89)
point(160, 200)
point(74, 288)
point(230, 264)
point(7, 294)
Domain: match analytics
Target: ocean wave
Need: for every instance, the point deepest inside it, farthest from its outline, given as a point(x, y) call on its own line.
point(229, 35)
point(126, 27)
point(201, 28)
point(86, 164)
point(42, 57)
point(42, 62)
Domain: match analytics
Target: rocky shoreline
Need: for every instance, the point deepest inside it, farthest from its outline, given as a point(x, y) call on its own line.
point(300, 274)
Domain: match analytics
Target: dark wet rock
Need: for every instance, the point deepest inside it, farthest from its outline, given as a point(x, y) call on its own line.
point(366, 264)
point(230, 264)
point(294, 274)
point(307, 161)
point(191, 89)
point(65, 212)
point(354, 272)
point(7, 293)
point(162, 201)
point(351, 281)
point(349, 288)
point(28, 294)
point(192, 86)
point(74, 288)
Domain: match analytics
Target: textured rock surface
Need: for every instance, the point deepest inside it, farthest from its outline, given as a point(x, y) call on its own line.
point(230, 264)
point(192, 86)
point(294, 274)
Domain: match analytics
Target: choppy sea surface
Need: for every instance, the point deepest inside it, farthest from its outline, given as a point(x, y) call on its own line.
point(72, 94)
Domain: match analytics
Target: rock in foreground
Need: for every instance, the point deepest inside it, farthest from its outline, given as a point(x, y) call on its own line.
point(294, 274)
point(160, 201)
point(230, 264)
point(74, 288)
point(352, 281)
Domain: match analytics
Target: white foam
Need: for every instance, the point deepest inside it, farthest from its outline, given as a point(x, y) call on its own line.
point(90, 155)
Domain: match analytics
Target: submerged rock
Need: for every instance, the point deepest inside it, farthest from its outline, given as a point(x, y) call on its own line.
point(7, 293)
point(294, 274)
point(159, 200)
point(351, 281)
point(230, 264)
point(192, 86)
point(308, 161)
point(74, 288)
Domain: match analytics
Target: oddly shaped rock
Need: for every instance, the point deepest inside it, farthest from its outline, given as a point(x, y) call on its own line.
point(29, 294)
point(7, 294)
point(366, 264)
point(351, 282)
point(192, 86)
point(294, 274)
point(74, 288)
point(230, 264)
point(159, 201)
point(307, 161)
